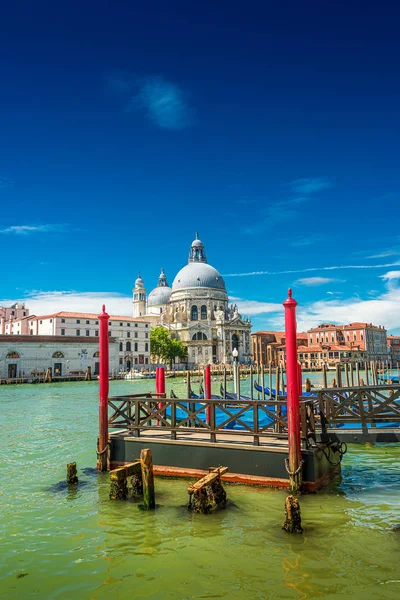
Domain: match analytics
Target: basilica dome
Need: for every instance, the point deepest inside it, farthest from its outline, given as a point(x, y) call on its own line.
point(198, 273)
point(161, 293)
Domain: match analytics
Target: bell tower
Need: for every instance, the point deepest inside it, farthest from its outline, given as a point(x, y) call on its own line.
point(139, 298)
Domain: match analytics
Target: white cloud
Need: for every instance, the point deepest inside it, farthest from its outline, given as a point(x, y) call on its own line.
point(312, 269)
point(164, 102)
point(254, 307)
point(314, 281)
point(391, 276)
point(32, 229)
point(43, 303)
point(310, 185)
point(385, 253)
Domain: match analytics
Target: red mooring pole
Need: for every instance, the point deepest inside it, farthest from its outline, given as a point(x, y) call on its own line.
point(160, 387)
point(102, 454)
point(207, 390)
point(292, 381)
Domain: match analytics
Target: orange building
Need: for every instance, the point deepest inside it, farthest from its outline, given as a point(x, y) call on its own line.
point(269, 346)
point(394, 348)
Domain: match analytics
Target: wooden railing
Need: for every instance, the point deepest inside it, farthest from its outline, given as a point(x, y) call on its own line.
point(366, 405)
point(253, 418)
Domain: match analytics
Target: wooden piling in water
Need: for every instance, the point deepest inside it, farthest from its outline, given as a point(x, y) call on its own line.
point(292, 516)
point(325, 381)
point(346, 372)
point(208, 494)
point(146, 462)
point(72, 476)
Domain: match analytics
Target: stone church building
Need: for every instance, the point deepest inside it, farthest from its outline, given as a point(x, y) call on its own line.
point(196, 310)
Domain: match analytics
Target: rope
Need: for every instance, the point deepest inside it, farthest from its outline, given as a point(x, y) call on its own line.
point(103, 451)
point(341, 448)
point(297, 471)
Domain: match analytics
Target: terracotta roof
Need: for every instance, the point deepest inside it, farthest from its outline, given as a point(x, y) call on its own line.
point(81, 315)
point(301, 335)
point(362, 326)
point(327, 348)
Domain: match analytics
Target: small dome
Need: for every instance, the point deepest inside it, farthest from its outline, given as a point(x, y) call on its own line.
point(139, 282)
point(198, 275)
point(197, 243)
point(160, 295)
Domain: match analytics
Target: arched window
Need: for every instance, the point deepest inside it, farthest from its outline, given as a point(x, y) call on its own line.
point(146, 348)
point(128, 346)
point(199, 336)
point(58, 354)
point(235, 342)
point(120, 347)
point(203, 312)
point(135, 346)
point(96, 354)
point(194, 315)
point(12, 355)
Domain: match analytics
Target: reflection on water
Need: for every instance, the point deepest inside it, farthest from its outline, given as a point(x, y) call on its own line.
point(64, 542)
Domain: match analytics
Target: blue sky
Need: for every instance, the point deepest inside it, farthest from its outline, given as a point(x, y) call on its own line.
point(271, 128)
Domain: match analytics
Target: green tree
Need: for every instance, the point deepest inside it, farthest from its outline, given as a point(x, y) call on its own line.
point(164, 348)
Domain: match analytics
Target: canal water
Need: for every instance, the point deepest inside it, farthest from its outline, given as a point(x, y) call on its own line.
point(76, 543)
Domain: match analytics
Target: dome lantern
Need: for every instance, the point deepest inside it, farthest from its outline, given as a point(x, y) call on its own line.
point(196, 252)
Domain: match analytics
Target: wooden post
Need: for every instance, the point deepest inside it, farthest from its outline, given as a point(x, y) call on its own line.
point(270, 378)
point(366, 373)
point(88, 374)
point(146, 463)
point(346, 371)
point(358, 372)
point(72, 477)
point(293, 409)
point(251, 383)
point(277, 383)
point(351, 374)
point(102, 454)
point(324, 376)
point(293, 517)
point(225, 381)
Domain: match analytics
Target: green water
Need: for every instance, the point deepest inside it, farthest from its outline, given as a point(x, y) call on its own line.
point(66, 544)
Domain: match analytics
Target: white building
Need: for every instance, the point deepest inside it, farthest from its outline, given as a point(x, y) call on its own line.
point(133, 334)
point(28, 355)
point(195, 309)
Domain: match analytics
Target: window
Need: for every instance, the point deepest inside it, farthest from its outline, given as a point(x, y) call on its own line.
point(62, 331)
point(135, 324)
point(78, 332)
point(24, 314)
point(146, 348)
point(128, 334)
point(96, 354)
point(194, 313)
point(58, 354)
point(12, 355)
point(78, 320)
point(96, 322)
point(146, 361)
point(235, 341)
point(109, 334)
point(120, 347)
point(128, 346)
point(51, 320)
point(121, 360)
point(128, 324)
point(87, 332)
point(146, 335)
point(146, 325)
point(136, 346)
point(199, 336)
point(62, 320)
point(203, 312)
point(121, 324)
point(96, 333)
point(135, 334)
point(87, 322)
point(136, 361)
point(41, 322)
point(109, 323)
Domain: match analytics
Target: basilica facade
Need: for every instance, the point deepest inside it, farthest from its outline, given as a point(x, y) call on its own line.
point(196, 310)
